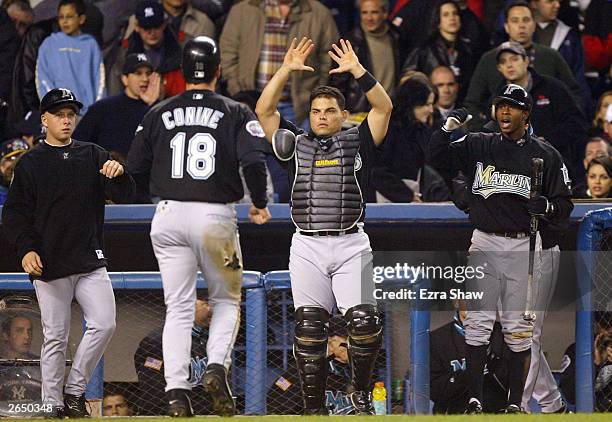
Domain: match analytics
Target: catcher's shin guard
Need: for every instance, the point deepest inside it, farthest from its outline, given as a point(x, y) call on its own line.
point(310, 350)
point(365, 338)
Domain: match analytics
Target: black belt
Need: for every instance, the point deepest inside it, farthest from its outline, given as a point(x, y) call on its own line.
point(511, 235)
point(331, 233)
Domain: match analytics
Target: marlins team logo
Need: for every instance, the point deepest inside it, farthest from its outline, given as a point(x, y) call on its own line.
point(488, 182)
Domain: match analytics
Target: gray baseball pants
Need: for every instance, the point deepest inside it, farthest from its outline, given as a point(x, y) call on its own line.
point(505, 265)
point(331, 270)
point(187, 236)
point(94, 293)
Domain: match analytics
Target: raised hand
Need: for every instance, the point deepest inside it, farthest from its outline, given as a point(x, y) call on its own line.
point(297, 54)
point(153, 91)
point(346, 58)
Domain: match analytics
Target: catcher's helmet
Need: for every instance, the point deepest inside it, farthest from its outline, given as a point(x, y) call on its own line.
point(514, 94)
point(201, 58)
point(59, 97)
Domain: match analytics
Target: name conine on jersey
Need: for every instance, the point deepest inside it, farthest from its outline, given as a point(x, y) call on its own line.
point(489, 181)
point(191, 116)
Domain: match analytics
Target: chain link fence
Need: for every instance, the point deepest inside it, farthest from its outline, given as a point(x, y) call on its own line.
point(263, 376)
point(602, 303)
point(284, 395)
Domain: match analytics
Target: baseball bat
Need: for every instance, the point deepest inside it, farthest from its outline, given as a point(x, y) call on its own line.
point(537, 171)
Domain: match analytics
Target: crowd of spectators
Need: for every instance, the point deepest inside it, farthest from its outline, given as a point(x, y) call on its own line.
point(120, 58)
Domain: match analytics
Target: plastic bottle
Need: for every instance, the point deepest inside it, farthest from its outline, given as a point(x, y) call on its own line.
point(379, 398)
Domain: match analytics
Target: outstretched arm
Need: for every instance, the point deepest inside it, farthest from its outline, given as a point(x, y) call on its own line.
point(268, 115)
point(379, 115)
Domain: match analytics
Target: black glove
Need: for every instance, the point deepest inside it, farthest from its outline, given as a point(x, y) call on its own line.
point(538, 205)
point(456, 119)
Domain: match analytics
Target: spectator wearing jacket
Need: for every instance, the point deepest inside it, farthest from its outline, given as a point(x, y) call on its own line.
point(112, 121)
point(554, 116)
point(554, 33)
point(486, 79)
point(376, 44)
point(71, 59)
point(443, 78)
point(400, 174)
point(412, 21)
point(155, 39)
point(597, 37)
point(446, 46)
point(22, 15)
point(254, 40)
point(185, 21)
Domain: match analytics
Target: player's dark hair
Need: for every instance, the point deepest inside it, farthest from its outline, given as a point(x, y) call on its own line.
point(326, 91)
point(516, 3)
point(605, 162)
point(412, 93)
point(435, 16)
point(79, 5)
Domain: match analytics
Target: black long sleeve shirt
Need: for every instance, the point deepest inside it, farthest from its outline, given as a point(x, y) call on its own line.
point(55, 207)
point(499, 173)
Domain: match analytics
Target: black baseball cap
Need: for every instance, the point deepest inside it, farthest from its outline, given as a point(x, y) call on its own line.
point(514, 94)
point(512, 47)
point(13, 148)
point(134, 61)
point(149, 14)
point(59, 97)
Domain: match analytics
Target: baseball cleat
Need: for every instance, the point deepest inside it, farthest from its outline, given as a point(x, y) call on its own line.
point(179, 404)
point(362, 402)
point(75, 406)
point(215, 384)
point(512, 408)
point(474, 407)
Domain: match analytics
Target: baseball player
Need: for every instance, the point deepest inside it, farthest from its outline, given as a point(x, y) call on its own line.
point(190, 147)
point(330, 259)
point(498, 167)
point(54, 216)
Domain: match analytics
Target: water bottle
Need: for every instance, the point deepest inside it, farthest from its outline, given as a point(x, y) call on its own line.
point(379, 398)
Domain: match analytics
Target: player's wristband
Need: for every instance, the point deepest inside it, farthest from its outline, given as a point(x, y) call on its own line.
point(366, 81)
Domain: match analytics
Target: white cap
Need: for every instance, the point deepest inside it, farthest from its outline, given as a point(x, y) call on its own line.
point(609, 114)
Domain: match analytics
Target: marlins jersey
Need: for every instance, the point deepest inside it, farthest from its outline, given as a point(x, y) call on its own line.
point(189, 148)
point(499, 173)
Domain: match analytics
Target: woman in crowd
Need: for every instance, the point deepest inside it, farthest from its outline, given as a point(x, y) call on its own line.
point(401, 174)
point(599, 179)
point(445, 47)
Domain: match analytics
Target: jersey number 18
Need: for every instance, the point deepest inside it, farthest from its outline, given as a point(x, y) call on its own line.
point(201, 150)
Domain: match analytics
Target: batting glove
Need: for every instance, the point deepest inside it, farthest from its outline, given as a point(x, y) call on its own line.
point(456, 119)
point(197, 367)
point(538, 205)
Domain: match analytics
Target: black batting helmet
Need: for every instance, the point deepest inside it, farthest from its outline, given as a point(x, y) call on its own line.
point(59, 97)
point(201, 58)
point(514, 94)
